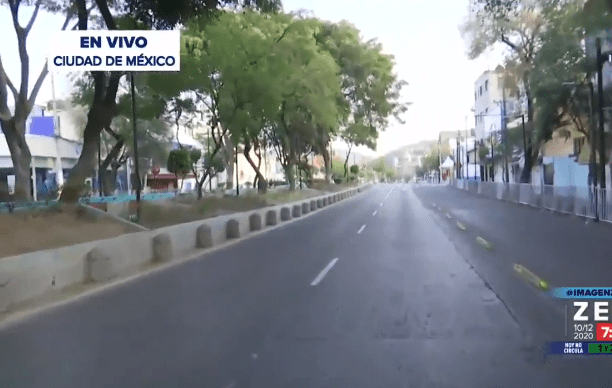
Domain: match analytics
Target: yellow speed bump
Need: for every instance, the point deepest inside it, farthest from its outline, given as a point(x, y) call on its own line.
point(530, 277)
point(461, 226)
point(484, 242)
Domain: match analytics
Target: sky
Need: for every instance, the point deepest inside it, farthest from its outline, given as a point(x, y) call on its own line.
point(423, 35)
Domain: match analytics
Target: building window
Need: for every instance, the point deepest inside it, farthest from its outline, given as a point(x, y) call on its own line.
point(480, 94)
point(475, 96)
point(486, 85)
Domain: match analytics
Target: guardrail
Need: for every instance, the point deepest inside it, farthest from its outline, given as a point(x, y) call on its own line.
point(590, 202)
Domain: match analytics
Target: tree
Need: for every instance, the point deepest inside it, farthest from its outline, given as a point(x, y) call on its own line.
point(431, 161)
point(179, 163)
point(561, 59)
point(117, 141)
point(13, 125)
point(370, 89)
point(233, 75)
point(518, 25)
point(149, 14)
point(354, 169)
point(308, 81)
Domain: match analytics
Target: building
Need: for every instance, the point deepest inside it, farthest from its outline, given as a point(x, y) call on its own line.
point(55, 144)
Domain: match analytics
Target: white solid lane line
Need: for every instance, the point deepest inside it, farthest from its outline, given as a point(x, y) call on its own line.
point(375, 211)
point(361, 229)
point(324, 272)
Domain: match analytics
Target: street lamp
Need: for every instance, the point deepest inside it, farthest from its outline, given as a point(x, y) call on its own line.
point(601, 59)
point(592, 158)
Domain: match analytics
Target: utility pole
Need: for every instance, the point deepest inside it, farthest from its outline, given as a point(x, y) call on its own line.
point(600, 96)
point(492, 159)
point(439, 158)
point(592, 158)
point(58, 136)
point(467, 160)
point(505, 129)
point(136, 170)
point(237, 177)
point(209, 159)
point(457, 155)
point(475, 157)
point(99, 164)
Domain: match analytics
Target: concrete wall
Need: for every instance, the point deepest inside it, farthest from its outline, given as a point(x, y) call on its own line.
point(31, 275)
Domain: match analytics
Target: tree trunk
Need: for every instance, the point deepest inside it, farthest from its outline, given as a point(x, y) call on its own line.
point(86, 165)
point(21, 157)
point(229, 162)
point(256, 182)
point(530, 153)
point(99, 117)
point(327, 162)
point(346, 171)
point(263, 187)
point(290, 175)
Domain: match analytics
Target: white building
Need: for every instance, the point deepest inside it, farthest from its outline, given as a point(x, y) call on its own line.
point(55, 146)
point(488, 95)
point(490, 91)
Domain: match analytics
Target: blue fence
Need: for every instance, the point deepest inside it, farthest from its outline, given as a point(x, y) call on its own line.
point(11, 206)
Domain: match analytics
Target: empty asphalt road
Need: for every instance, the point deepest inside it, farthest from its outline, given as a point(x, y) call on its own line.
point(379, 290)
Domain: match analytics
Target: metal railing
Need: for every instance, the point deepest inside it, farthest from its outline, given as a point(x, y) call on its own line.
point(588, 202)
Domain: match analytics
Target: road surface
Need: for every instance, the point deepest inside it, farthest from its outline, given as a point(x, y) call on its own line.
point(380, 290)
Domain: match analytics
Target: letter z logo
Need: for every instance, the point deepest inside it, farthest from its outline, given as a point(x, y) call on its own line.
point(582, 306)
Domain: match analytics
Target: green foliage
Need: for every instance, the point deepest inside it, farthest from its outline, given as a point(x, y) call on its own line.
point(179, 162)
point(561, 59)
point(379, 166)
point(431, 162)
point(216, 164)
point(483, 152)
point(153, 133)
point(370, 90)
point(337, 169)
point(354, 169)
point(164, 14)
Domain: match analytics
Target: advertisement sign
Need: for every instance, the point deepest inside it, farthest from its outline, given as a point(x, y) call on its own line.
point(102, 50)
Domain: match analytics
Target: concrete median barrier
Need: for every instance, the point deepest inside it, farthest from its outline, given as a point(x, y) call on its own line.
point(204, 237)
point(232, 229)
point(99, 266)
point(271, 218)
point(162, 248)
point(285, 214)
point(26, 277)
point(255, 222)
point(297, 211)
